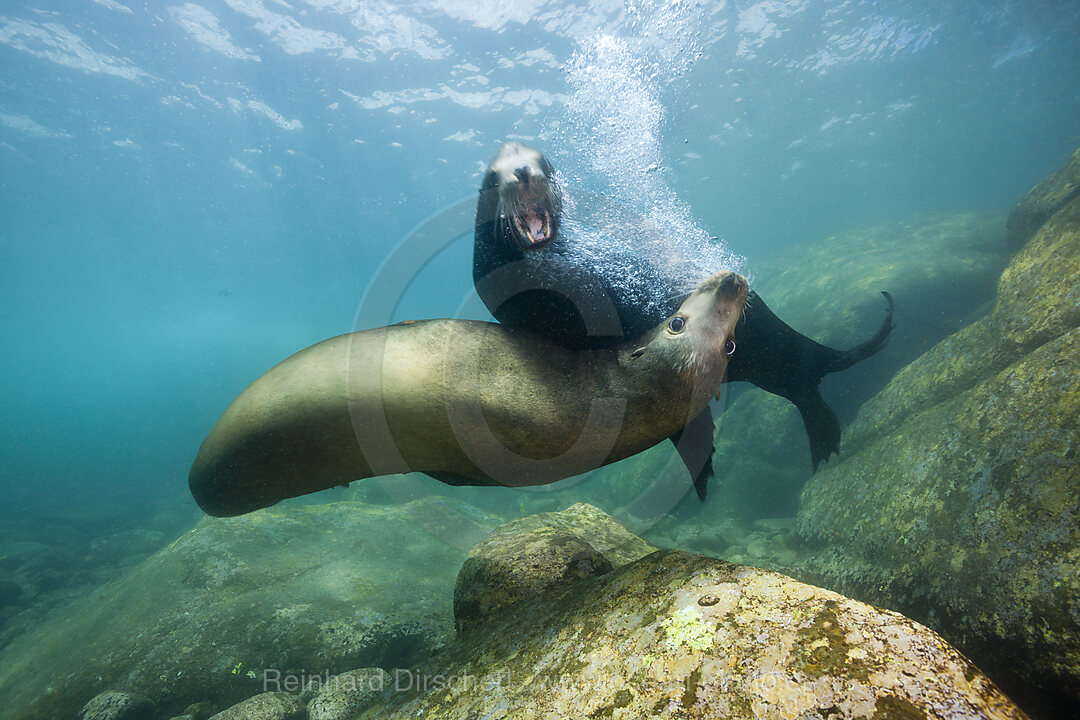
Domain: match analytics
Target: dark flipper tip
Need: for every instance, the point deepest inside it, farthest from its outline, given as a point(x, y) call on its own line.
point(694, 444)
point(701, 482)
point(889, 306)
point(844, 360)
point(822, 427)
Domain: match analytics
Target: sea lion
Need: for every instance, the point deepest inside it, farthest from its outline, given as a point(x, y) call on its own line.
point(528, 276)
point(467, 402)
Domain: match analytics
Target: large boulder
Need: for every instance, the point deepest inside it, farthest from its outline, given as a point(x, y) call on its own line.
point(540, 554)
point(941, 271)
point(677, 635)
point(291, 589)
point(1042, 201)
point(266, 706)
point(956, 497)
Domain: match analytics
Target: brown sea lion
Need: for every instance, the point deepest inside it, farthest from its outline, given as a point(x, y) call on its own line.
point(467, 402)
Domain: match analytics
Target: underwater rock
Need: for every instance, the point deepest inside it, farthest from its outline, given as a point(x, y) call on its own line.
point(215, 615)
point(941, 271)
point(956, 496)
point(30, 556)
point(539, 555)
point(10, 592)
point(1042, 201)
point(674, 634)
point(199, 710)
point(114, 706)
point(266, 706)
point(346, 694)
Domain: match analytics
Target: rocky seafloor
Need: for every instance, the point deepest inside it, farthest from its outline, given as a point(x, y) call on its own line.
point(554, 615)
point(954, 501)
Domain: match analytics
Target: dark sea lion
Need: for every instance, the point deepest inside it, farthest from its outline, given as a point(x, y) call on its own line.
point(528, 277)
point(467, 402)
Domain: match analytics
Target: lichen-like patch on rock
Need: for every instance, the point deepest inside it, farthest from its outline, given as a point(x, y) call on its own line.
point(687, 629)
point(675, 634)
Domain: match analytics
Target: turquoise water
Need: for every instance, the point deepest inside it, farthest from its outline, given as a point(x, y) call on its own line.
point(192, 192)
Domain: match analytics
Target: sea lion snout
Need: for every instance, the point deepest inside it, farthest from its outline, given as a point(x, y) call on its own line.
point(726, 286)
point(731, 284)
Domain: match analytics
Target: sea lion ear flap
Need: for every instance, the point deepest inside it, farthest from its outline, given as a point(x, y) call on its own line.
point(639, 352)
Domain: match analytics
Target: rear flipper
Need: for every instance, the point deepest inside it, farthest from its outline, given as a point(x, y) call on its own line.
point(822, 426)
point(777, 358)
point(694, 444)
point(844, 360)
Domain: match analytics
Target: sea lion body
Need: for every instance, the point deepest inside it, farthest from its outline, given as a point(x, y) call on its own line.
point(536, 281)
point(466, 402)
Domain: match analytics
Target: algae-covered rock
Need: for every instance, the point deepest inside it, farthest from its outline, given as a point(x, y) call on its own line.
point(941, 271)
point(1042, 201)
point(539, 555)
point(956, 497)
point(113, 705)
point(346, 694)
point(199, 710)
point(675, 634)
point(265, 706)
point(291, 589)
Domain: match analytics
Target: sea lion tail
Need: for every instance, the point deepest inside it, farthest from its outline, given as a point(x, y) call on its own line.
point(845, 359)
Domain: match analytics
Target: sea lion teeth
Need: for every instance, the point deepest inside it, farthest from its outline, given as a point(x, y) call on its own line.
point(467, 402)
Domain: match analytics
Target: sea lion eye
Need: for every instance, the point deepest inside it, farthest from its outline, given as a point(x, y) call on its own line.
point(729, 347)
point(676, 324)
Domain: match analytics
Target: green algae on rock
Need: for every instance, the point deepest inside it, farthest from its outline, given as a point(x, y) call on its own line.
point(292, 588)
point(956, 497)
point(675, 634)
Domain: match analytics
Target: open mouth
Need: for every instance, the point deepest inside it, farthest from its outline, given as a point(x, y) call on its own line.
point(532, 226)
point(532, 211)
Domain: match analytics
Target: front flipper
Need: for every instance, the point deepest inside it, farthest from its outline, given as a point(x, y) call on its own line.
point(822, 426)
point(694, 444)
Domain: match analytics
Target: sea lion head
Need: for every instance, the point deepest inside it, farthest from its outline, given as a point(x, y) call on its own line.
point(529, 199)
point(699, 338)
